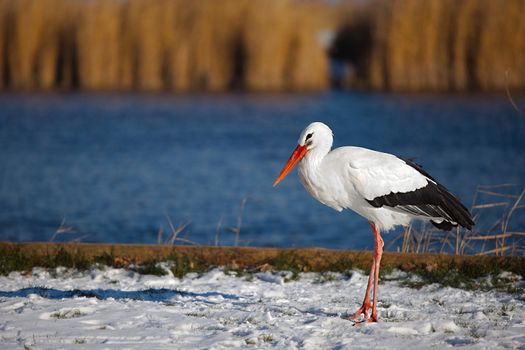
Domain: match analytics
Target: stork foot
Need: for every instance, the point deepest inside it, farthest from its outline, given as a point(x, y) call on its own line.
point(373, 318)
point(363, 310)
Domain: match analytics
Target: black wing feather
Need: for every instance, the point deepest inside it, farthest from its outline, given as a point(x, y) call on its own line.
point(433, 201)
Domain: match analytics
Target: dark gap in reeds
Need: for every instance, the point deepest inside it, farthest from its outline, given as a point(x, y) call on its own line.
point(237, 80)
point(353, 44)
point(261, 45)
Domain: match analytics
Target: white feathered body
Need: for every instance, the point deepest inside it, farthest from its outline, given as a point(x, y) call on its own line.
point(346, 177)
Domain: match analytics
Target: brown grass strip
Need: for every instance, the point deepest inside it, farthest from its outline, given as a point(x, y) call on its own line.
point(303, 259)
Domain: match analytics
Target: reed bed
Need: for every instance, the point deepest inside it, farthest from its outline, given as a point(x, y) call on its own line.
point(261, 45)
point(161, 45)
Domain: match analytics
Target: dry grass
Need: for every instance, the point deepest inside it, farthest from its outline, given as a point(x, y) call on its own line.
point(174, 234)
point(498, 237)
point(69, 230)
point(237, 229)
point(496, 210)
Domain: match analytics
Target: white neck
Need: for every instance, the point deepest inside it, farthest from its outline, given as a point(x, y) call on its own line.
point(311, 172)
point(315, 156)
point(319, 139)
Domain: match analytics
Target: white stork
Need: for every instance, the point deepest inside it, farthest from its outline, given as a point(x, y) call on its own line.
point(386, 190)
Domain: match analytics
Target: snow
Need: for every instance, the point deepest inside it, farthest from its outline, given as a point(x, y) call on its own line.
point(114, 308)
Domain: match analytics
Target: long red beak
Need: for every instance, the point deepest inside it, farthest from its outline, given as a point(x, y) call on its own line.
point(298, 154)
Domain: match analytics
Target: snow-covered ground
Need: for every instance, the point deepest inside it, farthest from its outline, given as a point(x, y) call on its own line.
point(115, 308)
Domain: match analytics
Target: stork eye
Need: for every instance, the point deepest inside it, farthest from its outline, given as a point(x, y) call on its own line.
point(308, 136)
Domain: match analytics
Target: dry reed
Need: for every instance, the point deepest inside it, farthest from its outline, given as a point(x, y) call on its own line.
point(497, 238)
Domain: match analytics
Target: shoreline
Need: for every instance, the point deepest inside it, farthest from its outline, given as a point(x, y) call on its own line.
point(23, 256)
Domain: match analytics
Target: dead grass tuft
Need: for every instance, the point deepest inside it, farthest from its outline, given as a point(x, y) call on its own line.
point(499, 237)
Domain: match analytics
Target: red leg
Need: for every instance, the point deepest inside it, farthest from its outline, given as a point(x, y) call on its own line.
point(378, 253)
point(363, 310)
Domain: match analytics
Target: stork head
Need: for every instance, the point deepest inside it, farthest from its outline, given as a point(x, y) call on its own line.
point(316, 137)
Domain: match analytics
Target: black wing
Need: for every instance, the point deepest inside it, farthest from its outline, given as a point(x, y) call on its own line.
point(433, 201)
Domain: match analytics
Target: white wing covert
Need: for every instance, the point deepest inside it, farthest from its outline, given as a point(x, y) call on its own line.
point(378, 174)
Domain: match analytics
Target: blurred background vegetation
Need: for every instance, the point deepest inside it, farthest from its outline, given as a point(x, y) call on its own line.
point(262, 45)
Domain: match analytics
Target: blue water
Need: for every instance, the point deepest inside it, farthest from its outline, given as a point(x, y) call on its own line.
point(115, 166)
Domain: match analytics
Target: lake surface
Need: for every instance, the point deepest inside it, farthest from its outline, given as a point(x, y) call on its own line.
point(114, 167)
